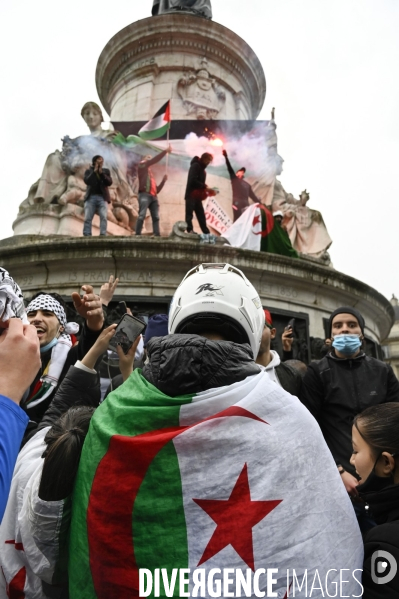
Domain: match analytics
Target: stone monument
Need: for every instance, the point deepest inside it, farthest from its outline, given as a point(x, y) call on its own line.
point(211, 76)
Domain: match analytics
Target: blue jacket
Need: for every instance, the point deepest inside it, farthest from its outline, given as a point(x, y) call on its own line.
point(13, 422)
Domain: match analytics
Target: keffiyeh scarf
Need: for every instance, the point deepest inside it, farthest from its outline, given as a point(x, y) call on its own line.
point(48, 382)
point(11, 299)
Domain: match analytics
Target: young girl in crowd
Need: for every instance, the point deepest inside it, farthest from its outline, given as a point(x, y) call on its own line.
point(375, 437)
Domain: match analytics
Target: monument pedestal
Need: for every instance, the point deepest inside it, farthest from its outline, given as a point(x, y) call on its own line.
point(150, 270)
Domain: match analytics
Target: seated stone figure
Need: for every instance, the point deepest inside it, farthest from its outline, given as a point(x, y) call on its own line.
point(305, 227)
point(200, 7)
point(62, 182)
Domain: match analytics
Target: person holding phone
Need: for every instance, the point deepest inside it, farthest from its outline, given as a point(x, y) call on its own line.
point(287, 339)
point(97, 198)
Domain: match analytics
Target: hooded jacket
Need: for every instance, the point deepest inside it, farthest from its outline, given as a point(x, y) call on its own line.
point(335, 390)
point(196, 178)
point(384, 506)
point(284, 375)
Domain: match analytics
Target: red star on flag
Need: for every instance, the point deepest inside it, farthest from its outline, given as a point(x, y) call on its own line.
point(235, 518)
point(256, 220)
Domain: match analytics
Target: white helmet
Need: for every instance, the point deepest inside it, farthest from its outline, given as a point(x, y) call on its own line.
point(218, 298)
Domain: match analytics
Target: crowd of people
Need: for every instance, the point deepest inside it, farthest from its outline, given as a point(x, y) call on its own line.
point(97, 198)
point(100, 475)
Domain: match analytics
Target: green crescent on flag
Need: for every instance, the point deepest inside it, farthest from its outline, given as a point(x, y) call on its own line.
point(233, 477)
point(158, 125)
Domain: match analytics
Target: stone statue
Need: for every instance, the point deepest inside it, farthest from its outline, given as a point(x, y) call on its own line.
point(201, 94)
point(305, 227)
point(202, 8)
point(62, 178)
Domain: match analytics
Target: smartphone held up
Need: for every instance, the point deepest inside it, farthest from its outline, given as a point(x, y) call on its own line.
point(126, 333)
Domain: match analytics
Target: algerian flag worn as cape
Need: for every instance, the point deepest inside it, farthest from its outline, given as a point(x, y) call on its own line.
point(158, 125)
point(233, 477)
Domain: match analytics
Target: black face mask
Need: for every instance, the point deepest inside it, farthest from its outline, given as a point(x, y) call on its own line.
point(375, 483)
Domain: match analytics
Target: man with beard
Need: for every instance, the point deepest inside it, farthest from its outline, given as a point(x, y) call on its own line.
point(46, 312)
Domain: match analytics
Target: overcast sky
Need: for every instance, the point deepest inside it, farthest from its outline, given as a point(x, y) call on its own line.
point(332, 74)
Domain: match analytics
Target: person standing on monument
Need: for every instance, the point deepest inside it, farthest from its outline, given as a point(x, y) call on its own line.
point(196, 192)
point(242, 190)
point(148, 192)
point(97, 179)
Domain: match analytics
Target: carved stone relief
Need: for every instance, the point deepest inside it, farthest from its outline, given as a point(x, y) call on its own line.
point(202, 96)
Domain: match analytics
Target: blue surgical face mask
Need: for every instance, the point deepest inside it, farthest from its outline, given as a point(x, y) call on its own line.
point(347, 344)
point(49, 345)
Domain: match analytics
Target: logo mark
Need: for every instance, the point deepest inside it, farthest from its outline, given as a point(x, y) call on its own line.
point(383, 567)
point(209, 290)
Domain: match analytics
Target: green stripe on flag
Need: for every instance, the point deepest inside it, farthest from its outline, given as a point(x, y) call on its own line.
point(135, 408)
point(159, 524)
point(155, 133)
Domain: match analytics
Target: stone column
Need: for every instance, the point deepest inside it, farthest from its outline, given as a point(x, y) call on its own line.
point(207, 70)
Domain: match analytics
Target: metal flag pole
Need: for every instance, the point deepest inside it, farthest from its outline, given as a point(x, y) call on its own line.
point(167, 136)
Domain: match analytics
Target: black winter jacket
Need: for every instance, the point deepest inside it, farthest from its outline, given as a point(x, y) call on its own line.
point(335, 390)
point(185, 364)
point(196, 178)
point(384, 506)
point(98, 185)
point(290, 379)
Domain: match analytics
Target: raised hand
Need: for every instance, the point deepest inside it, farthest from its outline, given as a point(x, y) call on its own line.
point(107, 290)
point(89, 307)
point(126, 361)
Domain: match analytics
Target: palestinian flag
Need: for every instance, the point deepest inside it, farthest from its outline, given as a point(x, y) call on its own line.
point(158, 125)
point(235, 477)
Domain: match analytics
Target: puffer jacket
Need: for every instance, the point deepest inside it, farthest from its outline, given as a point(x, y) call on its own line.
point(335, 390)
point(185, 364)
